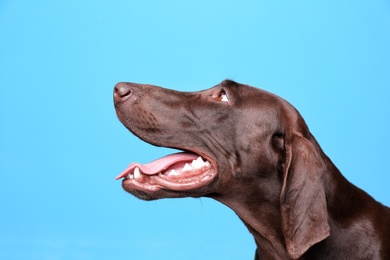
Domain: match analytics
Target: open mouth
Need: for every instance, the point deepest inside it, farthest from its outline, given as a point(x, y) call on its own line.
point(177, 172)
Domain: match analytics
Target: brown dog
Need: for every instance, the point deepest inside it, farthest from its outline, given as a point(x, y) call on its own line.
point(252, 151)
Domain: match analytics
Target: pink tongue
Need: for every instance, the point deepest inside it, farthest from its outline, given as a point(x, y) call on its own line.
point(158, 165)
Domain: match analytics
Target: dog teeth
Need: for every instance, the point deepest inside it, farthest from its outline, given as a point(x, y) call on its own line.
point(173, 173)
point(187, 167)
point(198, 163)
point(137, 173)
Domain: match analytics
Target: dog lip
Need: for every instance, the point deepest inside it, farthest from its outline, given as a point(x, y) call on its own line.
point(152, 183)
point(160, 176)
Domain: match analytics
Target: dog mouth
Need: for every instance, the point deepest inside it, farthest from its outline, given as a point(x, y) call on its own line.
point(182, 171)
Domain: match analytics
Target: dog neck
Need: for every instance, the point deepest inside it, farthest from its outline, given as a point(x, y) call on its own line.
point(262, 218)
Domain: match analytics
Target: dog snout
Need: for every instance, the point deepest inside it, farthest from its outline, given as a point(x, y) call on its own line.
point(122, 90)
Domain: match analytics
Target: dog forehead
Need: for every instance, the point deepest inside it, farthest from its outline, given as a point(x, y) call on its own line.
point(246, 90)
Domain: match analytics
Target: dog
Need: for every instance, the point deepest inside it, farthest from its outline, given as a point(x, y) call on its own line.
point(252, 151)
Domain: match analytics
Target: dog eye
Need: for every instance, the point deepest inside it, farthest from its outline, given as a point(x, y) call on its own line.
point(220, 96)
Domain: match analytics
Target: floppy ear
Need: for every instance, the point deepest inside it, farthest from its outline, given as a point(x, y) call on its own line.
point(303, 203)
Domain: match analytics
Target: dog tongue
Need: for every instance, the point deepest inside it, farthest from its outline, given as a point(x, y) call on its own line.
point(158, 165)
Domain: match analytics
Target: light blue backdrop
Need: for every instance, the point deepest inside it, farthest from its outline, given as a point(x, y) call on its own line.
point(61, 145)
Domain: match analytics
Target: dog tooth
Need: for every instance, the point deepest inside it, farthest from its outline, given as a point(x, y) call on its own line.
point(207, 164)
point(187, 167)
point(194, 164)
point(137, 173)
point(198, 163)
point(200, 160)
point(173, 172)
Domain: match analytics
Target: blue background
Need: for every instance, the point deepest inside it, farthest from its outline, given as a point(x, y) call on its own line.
point(61, 145)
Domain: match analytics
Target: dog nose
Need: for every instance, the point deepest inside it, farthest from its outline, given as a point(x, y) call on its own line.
point(122, 90)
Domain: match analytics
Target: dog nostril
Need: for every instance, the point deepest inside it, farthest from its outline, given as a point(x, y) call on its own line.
point(122, 89)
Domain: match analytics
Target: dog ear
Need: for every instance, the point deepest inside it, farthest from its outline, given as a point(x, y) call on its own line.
point(303, 203)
